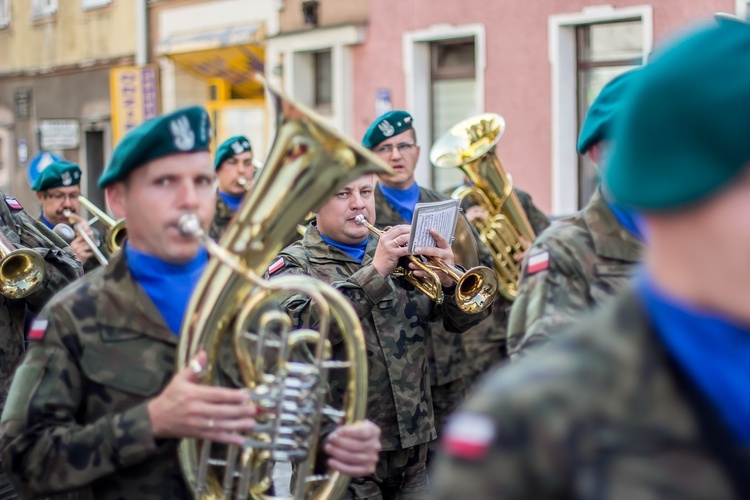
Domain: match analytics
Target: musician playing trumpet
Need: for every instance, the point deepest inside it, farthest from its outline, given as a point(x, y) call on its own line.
point(57, 189)
point(235, 171)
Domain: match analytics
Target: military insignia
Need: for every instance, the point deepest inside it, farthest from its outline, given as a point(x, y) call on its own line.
point(407, 119)
point(183, 136)
point(277, 265)
point(66, 179)
point(537, 262)
point(386, 127)
point(13, 203)
point(38, 329)
point(237, 147)
point(245, 144)
point(468, 436)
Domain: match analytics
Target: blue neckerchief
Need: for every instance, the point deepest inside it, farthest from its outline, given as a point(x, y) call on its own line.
point(355, 251)
point(713, 352)
point(629, 219)
point(403, 200)
point(232, 200)
point(46, 222)
point(168, 285)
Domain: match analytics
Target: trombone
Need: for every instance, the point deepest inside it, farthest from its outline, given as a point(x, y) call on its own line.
point(475, 288)
point(21, 270)
point(85, 236)
point(117, 230)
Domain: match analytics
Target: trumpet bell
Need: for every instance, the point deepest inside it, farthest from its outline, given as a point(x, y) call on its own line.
point(21, 273)
point(476, 289)
point(116, 236)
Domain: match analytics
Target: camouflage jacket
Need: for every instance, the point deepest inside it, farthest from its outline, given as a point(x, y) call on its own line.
point(589, 258)
point(91, 263)
point(446, 352)
point(61, 267)
point(602, 412)
point(77, 419)
point(394, 322)
point(222, 218)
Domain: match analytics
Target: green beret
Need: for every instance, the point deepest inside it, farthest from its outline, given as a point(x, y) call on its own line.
point(684, 126)
point(390, 124)
point(186, 130)
point(59, 173)
point(598, 123)
point(231, 147)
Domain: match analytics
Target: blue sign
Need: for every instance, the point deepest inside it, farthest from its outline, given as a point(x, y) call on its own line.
point(39, 163)
point(383, 102)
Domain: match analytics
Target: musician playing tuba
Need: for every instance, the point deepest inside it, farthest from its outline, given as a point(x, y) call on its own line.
point(57, 190)
point(98, 406)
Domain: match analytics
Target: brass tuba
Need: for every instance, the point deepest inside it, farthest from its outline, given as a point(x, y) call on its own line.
point(233, 306)
point(470, 145)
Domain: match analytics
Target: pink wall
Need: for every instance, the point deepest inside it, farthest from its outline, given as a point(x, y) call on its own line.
point(517, 78)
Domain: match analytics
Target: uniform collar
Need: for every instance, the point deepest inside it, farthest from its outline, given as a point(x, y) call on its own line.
point(318, 251)
point(611, 239)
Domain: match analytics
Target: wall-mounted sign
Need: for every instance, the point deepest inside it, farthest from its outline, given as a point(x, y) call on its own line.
point(22, 150)
point(59, 134)
point(135, 98)
point(383, 102)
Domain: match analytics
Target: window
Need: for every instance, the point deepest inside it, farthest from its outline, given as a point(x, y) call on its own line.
point(4, 13)
point(93, 4)
point(42, 8)
point(603, 51)
point(323, 80)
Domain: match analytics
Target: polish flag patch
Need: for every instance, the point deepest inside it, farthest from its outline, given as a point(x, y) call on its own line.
point(13, 203)
point(38, 329)
point(537, 262)
point(277, 265)
point(468, 436)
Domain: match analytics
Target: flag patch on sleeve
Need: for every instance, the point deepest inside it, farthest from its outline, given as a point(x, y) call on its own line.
point(38, 329)
point(13, 203)
point(468, 436)
point(277, 265)
point(537, 262)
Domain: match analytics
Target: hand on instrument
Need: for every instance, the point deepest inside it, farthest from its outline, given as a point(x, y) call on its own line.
point(391, 247)
point(442, 251)
point(477, 213)
point(81, 249)
point(353, 449)
point(185, 408)
point(527, 244)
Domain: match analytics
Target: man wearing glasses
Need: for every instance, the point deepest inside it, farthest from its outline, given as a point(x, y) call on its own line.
point(57, 189)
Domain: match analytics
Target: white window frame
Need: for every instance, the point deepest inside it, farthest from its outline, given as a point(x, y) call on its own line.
point(4, 13)
point(94, 4)
point(43, 8)
point(740, 8)
point(562, 56)
point(416, 48)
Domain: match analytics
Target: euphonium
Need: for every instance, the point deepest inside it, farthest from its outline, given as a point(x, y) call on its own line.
point(85, 236)
point(21, 270)
point(470, 145)
point(475, 288)
point(116, 229)
point(307, 164)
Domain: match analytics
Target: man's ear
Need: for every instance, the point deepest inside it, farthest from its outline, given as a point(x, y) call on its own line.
point(39, 196)
point(115, 195)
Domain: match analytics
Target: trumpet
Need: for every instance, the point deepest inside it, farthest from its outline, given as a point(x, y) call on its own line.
point(21, 270)
point(248, 185)
point(84, 235)
point(117, 230)
point(475, 288)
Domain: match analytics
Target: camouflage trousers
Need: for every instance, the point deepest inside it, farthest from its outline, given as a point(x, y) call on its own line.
point(400, 474)
point(486, 343)
point(446, 399)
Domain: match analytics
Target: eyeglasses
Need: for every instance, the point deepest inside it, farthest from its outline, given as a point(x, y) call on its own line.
point(58, 197)
point(387, 150)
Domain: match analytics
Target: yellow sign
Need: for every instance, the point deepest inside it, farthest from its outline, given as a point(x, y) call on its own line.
point(134, 96)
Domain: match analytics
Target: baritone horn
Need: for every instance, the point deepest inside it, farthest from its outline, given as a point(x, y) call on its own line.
point(475, 288)
point(471, 146)
point(21, 270)
point(233, 310)
point(116, 229)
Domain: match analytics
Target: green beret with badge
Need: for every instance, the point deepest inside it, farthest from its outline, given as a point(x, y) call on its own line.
point(683, 131)
point(187, 130)
point(600, 117)
point(390, 124)
point(59, 173)
point(231, 147)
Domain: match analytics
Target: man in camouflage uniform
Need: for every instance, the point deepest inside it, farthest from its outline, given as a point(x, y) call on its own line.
point(341, 252)
point(647, 399)
point(96, 408)
point(20, 230)
point(393, 139)
point(583, 261)
point(57, 189)
point(235, 171)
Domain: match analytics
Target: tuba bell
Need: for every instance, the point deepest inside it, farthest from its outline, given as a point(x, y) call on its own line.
point(471, 146)
point(233, 309)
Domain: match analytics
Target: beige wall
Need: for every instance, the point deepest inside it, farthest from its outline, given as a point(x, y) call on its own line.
point(330, 13)
point(69, 37)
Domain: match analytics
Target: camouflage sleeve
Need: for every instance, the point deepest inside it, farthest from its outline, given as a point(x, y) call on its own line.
point(539, 222)
point(46, 450)
point(549, 299)
point(454, 318)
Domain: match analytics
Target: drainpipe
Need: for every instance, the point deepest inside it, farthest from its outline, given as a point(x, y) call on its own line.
point(141, 32)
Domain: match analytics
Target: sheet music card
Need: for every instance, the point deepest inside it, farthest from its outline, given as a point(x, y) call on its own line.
point(438, 215)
